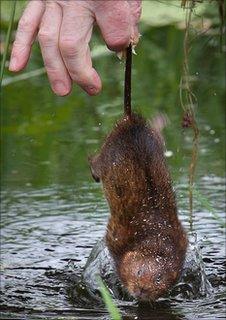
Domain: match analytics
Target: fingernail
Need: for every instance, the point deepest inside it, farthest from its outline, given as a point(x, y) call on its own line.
point(13, 64)
point(60, 88)
point(91, 90)
point(95, 88)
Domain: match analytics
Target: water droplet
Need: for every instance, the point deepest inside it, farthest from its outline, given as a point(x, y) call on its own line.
point(168, 153)
point(158, 279)
point(207, 128)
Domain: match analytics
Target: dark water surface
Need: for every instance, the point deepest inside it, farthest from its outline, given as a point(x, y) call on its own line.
point(52, 211)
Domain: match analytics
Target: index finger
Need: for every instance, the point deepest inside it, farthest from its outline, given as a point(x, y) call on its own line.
point(26, 32)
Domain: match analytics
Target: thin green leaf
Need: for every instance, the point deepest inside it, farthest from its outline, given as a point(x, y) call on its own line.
point(109, 303)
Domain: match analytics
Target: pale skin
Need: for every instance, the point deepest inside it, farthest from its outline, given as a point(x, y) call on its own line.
point(64, 29)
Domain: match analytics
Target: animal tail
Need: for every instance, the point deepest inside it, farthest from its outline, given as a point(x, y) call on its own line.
point(127, 83)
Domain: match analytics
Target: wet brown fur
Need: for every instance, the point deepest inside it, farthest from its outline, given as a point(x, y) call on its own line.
point(144, 235)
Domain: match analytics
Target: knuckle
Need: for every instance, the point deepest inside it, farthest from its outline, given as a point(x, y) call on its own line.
point(70, 46)
point(53, 75)
point(81, 77)
point(46, 37)
point(78, 75)
point(117, 42)
point(17, 44)
point(24, 24)
point(51, 4)
point(49, 65)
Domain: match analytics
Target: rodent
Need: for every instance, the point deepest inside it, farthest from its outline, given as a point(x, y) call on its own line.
point(144, 235)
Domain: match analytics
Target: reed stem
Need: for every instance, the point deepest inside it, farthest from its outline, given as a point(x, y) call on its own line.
point(8, 36)
point(189, 106)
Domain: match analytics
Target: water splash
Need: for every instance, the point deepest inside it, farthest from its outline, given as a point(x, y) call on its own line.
point(193, 283)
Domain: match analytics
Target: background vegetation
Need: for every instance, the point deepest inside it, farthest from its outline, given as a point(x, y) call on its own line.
point(46, 139)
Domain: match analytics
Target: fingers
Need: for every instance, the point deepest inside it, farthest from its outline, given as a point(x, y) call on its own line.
point(26, 32)
point(48, 38)
point(113, 18)
point(75, 34)
point(64, 35)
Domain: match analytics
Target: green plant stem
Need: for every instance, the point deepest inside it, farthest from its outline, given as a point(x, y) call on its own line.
point(189, 104)
point(12, 14)
point(108, 301)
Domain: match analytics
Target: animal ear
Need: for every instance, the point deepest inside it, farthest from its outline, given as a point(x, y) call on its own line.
point(94, 168)
point(159, 122)
point(94, 175)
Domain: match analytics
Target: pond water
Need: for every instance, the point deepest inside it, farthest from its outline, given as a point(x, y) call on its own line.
point(52, 211)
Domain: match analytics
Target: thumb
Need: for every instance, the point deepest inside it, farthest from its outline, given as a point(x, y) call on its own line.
point(114, 20)
point(135, 13)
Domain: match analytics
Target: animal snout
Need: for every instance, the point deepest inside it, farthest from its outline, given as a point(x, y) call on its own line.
point(141, 294)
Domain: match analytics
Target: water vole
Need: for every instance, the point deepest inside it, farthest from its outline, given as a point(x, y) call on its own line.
point(144, 235)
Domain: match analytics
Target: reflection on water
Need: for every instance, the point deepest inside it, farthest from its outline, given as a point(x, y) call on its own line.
point(52, 214)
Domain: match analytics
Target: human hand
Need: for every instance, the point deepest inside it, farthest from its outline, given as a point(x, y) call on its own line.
point(64, 29)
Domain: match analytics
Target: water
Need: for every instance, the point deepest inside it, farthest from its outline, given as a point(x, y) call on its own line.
point(53, 213)
point(47, 236)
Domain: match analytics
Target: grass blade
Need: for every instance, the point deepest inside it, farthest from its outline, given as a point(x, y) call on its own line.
point(12, 14)
point(109, 303)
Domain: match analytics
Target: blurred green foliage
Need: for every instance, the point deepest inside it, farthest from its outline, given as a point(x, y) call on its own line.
point(154, 13)
point(8, 38)
point(5, 11)
point(46, 139)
